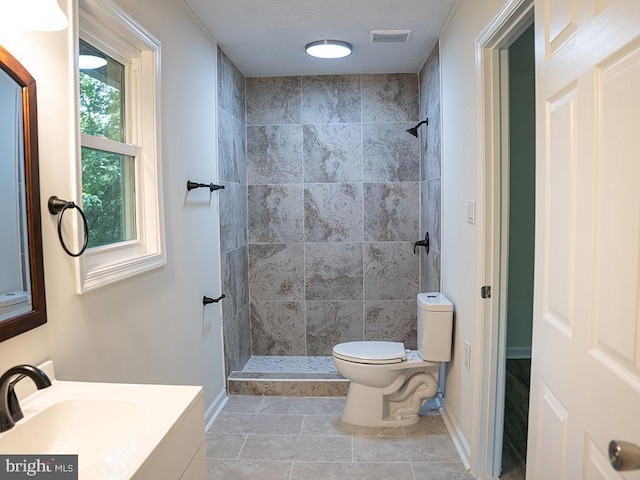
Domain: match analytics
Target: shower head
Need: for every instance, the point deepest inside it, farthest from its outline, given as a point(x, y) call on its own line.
point(414, 130)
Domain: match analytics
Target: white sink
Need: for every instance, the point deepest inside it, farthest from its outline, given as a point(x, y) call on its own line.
point(118, 431)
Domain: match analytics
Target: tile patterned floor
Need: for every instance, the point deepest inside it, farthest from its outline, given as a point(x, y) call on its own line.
point(277, 364)
point(302, 438)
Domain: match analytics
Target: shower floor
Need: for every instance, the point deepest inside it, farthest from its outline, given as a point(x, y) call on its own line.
point(290, 365)
point(288, 376)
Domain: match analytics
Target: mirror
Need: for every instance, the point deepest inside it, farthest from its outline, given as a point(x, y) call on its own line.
point(22, 295)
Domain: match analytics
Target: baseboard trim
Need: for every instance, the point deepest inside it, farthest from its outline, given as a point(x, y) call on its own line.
point(518, 352)
point(215, 408)
point(459, 441)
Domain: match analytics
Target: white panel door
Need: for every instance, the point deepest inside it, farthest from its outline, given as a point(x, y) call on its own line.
point(585, 379)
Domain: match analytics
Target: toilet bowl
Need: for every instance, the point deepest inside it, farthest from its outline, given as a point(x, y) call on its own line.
point(388, 383)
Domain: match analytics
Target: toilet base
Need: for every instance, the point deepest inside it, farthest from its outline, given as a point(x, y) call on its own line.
point(368, 407)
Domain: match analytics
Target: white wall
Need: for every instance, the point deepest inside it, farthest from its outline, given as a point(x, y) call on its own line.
point(461, 177)
point(152, 328)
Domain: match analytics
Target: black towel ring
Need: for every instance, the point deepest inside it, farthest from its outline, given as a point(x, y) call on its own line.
point(58, 206)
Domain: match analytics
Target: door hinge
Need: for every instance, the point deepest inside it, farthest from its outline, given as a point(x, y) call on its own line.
point(485, 292)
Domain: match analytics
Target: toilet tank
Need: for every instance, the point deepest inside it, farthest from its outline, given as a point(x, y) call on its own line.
point(435, 327)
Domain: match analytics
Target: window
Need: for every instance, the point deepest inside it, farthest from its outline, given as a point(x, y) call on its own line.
point(119, 145)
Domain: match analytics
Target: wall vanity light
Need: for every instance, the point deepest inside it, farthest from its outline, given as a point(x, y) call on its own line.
point(328, 49)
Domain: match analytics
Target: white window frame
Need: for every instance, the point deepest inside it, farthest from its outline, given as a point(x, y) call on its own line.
point(105, 25)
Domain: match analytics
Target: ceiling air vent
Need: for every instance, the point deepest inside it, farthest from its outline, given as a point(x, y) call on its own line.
point(389, 36)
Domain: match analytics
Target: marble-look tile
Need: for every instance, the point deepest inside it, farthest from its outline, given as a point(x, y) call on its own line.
point(276, 272)
point(284, 364)
point(423, 449)
point(433, 209)
point(313, 449)
point(390, 97)
point(390, 153)
point(235, 281)
point(302, 405)
point(430, 271)
point(391, 271)
point(332, 426)
point(232, 157)
point(392, 211)
point(275, 213)
point(332, 153)
point(277, 328)
point(391, 320)
point(231, 91)
point(224, 445)
point(333, 212)
point(274, 154)
point(441, 471)
point(244, 335)
point(423, 80)
point(231, 345)
point(321, 388)
point(333, 271)
point(248, 470)
point(242, 404)
point(433, 78)
point(233, 217)
point(351, 471)
point(331, 99)
point(330, 323)
point(253, 424)
point(273, 100)
point(432, 146)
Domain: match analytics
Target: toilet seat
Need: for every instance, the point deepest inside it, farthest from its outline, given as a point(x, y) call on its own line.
point(371, 353)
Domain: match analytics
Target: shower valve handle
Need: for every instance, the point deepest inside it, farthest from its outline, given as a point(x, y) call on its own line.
point(422, 243)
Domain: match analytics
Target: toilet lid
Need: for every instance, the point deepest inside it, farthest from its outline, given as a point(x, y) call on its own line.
point(371, 352)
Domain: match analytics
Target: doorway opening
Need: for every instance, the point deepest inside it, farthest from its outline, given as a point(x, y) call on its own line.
point(518, 211)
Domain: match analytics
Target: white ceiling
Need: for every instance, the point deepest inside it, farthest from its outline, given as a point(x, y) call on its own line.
point(267, 37)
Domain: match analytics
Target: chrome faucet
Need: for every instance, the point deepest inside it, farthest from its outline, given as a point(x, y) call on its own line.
point(10, 411)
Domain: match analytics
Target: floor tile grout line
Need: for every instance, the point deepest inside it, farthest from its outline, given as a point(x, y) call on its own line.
point(242, 447)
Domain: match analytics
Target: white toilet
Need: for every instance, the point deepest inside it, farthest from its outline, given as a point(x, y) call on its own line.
point(388, 383)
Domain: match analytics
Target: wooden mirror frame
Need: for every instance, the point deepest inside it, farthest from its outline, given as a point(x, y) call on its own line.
point(38, 315)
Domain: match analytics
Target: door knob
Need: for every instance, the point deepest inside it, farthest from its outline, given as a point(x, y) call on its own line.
point(624, 455)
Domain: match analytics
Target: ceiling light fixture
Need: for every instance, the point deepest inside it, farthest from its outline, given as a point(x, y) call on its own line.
point(328, 49)
point(91, 62)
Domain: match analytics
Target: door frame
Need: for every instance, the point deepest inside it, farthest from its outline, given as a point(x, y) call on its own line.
point(491, 57)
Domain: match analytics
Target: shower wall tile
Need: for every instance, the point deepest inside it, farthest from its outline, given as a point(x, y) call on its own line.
point(390, 153)
point(333, 212)
point(433, 79)
point(276, 272)
point(432, 148)
point(235, 280)
point(275, 213)
point(333, 271)
point(391, 97)
point(230, 332)
point(274, 154)
point(231, 148)
point(433, 210)
point(391, 212)
point(277, 328)
point(233, 216)
point(393, 321)
point(391, 271)
point(231, 92)
point(430, 271)
point(330, 323)
point(331, 99)
point(273, 100)
point(332, 153)
point(244, 335)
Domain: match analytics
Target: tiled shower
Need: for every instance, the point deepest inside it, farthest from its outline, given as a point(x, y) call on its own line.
point(325, 195)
